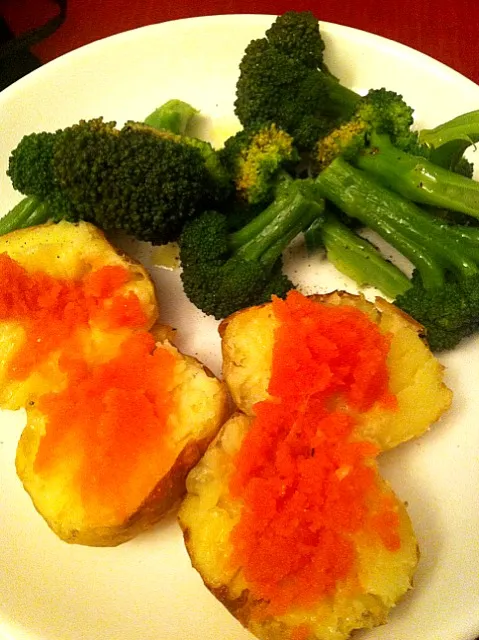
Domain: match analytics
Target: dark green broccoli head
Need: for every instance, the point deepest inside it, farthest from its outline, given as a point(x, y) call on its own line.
point(282, 80)
point(452, 217)
point(30, 166)
point(220, 289)
point(236, 285)
point(449, 313)
point(145, 182)
point(254, 160)
point(278, 284)
point(204, 239)
point(273, 88)
point(135, 180)
point(296, 34)
point(218, 281)
point(219, 185)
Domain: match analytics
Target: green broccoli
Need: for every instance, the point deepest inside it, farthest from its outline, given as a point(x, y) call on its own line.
point(353, 255)
point(449, 314)
point(444, 295)
point(448, 142)
point(256, 161)
point(379, 139)
point(283, 80)
point(417, 178)
point(147, 182)
point(174, 116)
point(384, 112)
point(223, 272)
point(379, 111)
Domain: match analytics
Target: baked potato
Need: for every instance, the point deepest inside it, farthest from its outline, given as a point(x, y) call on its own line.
point(217, 504)
point(125, 499)
point(415, 375)
point(116, 415)
point(71, 251)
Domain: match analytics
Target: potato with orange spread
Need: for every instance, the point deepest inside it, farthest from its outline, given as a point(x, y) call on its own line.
point(116, 415)
point(66, 252)
point(287, 518)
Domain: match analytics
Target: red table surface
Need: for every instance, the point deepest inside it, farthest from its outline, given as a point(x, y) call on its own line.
point(447, 30)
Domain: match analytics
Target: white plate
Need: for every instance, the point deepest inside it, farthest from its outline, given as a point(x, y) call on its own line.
point(146, 589)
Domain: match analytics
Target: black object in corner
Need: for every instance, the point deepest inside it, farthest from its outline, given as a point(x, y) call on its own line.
point(16, 59)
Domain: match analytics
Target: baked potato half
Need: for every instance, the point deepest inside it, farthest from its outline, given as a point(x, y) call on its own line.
point(127, 498)
point(116, 415)
point(63, 250)
point(415, 374)
point(214, 510)
point(208, 516)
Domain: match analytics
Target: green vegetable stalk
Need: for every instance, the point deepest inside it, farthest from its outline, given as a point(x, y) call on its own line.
point(419, 179)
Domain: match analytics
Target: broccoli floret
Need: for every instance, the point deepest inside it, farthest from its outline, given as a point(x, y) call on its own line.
point(379, 111)
point(283, 80)
point(255, 159)
point(176, 116)
point(386, 111)
point(463, 167)
point(137, 179)
point(295, 33)
point(30, 165)
point(444, 295)
point(450, 313)
point(134, 179)
point(218, 187)
point(223, 272)
point(451, 217)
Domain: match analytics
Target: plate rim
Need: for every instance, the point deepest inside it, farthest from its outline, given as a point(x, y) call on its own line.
point(254, 18)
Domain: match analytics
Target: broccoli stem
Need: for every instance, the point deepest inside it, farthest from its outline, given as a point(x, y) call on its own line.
point(448, 141)
point(450, 154)
point(259, 222)
point(418, 179)
point(360, 260)
point(345, 100)
point(271, 255)
point(253, 228)
point(463, 128)
point(406, 227)
point(28, 212)
point(465, 237)
point(313, 236)
point(173, 116)
point(293, 210)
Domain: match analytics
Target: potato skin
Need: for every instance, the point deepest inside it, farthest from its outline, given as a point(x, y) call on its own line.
point(70, 251)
